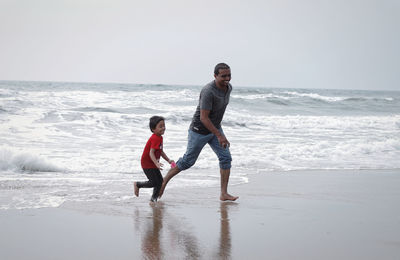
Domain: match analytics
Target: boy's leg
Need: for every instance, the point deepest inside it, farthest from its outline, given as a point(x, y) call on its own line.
point(136, 189)
point(158, 179)
point(147, 184)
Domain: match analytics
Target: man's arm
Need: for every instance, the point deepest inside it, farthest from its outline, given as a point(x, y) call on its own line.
point(205, 119)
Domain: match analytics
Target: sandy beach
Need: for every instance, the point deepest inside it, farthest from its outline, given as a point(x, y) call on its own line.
point(280, 215)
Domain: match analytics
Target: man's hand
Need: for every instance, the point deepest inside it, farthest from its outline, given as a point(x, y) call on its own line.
point(204, 118)
point(223, 141)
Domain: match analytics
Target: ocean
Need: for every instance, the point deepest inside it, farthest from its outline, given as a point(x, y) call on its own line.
point(75, 142)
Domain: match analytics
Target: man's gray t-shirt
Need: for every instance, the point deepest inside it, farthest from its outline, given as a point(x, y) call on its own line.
point(215, 100)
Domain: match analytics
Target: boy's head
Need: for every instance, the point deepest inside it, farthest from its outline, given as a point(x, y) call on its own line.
point(154, 120)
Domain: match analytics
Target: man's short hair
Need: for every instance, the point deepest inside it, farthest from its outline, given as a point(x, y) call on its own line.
point(220, 66)
point(154, 120)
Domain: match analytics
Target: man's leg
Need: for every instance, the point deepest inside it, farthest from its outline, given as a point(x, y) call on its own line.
point(224, 157)
point(196, 142)
point(171, 173)
point(224, 186)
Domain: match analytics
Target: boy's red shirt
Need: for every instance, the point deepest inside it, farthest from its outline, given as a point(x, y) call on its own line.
point(155, 142)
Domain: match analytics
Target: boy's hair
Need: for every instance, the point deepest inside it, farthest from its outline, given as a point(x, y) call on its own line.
point(220, 66)
point(154, 120)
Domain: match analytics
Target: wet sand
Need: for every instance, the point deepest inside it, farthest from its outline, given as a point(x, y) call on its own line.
point(280, 215)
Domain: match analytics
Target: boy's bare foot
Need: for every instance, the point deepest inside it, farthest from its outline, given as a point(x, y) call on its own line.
point(227, 196)
point(162, 189)
point(136, 188)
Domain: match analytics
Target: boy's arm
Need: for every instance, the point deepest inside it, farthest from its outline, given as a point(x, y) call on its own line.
point(154, 159)
point(163, 155)
point(204, 118)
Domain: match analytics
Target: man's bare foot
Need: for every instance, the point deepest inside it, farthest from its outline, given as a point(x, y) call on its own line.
point(162, 189)
point(227, 196)
point(136, 188)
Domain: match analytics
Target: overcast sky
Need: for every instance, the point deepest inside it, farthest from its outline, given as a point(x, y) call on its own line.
point(344, 44)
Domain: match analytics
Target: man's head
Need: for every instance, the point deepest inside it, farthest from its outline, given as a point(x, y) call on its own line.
point(222, 74)
point(220, 66)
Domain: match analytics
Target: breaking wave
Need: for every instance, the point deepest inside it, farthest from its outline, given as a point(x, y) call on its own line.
point(25, 162)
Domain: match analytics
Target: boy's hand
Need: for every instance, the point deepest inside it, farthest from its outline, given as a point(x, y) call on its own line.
point(172, 163)
point(159, 165)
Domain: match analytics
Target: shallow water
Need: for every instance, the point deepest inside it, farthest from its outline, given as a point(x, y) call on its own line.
point(83, 141)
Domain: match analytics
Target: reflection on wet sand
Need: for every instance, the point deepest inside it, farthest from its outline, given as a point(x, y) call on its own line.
point(165, 236)
point(151, 244)
point(225, 244)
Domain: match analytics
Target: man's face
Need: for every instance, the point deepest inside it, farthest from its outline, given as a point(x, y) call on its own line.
point(223, 77)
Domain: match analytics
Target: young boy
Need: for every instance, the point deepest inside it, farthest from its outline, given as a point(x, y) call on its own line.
point(151, 158)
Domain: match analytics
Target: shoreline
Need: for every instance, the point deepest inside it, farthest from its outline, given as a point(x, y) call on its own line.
point(310, 214)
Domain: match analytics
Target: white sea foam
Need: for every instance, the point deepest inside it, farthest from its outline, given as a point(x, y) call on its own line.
point(260, 96)
point(315, 96)
point(24, 162)
point(83, 142)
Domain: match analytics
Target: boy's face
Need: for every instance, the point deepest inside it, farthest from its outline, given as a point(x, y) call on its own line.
point(160, 128)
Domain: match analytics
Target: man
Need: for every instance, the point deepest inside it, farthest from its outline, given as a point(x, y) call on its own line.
point(206, 128)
